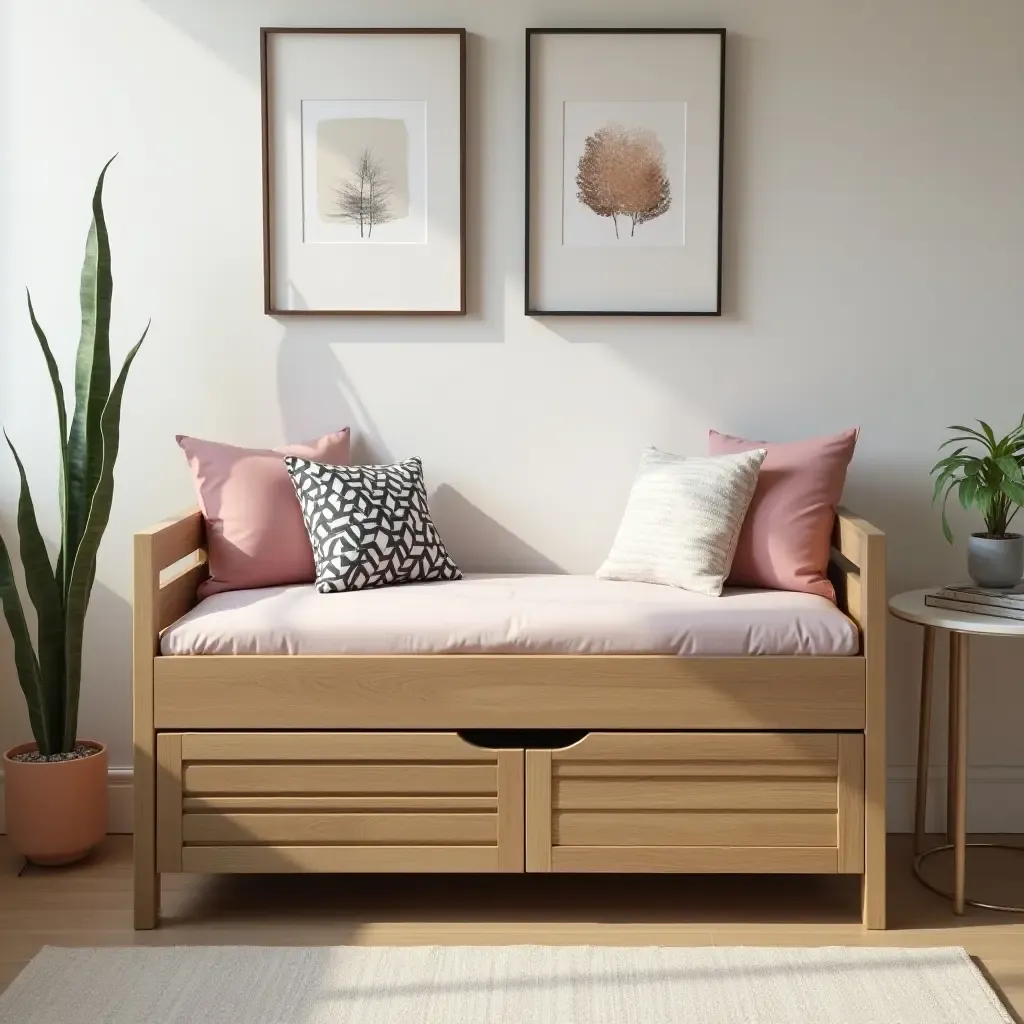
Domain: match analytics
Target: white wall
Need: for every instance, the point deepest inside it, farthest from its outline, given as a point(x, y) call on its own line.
point(874, 252)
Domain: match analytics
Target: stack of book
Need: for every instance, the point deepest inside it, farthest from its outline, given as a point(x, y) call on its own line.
point(1002, 602)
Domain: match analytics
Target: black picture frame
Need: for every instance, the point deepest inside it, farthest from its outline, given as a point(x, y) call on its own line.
point(531, 309)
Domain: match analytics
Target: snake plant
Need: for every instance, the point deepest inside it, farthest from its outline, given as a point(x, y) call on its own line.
point(50, 672)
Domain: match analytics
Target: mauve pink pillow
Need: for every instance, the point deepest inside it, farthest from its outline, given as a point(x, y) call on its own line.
point(785, 540)
point(254, 529)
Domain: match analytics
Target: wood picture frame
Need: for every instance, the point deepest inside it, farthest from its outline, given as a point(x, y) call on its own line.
point(320, 261)
point(595, 279)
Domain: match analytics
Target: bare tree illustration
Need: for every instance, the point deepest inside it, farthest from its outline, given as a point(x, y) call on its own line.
point(365, 199)
point(622, 172)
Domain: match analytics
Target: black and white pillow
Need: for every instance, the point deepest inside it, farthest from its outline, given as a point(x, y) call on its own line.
point(369, 525)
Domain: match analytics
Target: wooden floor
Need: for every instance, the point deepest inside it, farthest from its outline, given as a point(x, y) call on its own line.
point(90, 905)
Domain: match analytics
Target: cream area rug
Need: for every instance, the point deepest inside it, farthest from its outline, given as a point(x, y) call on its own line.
point(501, 985)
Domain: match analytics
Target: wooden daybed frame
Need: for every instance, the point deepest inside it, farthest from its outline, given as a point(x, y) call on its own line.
point(350, 764)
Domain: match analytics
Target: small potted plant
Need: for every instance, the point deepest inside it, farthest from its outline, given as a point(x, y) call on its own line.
point(992, 481)
point(56, 787)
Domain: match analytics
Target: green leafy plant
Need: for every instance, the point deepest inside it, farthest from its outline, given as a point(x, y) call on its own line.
point(51, 673)
point(992, 482)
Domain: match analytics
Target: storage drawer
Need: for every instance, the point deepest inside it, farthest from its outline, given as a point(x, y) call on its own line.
point(700, 802)
point(266, 802)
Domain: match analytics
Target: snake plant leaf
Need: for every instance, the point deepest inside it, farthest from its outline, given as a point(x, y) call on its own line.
point(24, 656)
point(62, 426)
point(92, 376)
point(84, 571)
point(42, 589)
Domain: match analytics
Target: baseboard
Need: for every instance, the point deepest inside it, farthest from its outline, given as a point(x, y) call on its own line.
point(995, 802)
point(995, 799)
point(119, 792)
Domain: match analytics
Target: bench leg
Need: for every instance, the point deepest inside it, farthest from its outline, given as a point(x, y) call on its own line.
point(147, 899)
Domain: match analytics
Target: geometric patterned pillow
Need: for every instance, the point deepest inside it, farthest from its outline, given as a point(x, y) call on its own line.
point(369, 525)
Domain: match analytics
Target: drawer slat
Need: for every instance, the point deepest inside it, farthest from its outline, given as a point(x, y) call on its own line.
point(373, 859)
point(331, 746)
point(685, 748)
point(681, 828)
point(662, 794)
point(697, 859)
point(340, 780)
point(283, 802)
point(351, 828)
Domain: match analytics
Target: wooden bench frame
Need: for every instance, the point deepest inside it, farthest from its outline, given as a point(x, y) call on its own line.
point(640, 710)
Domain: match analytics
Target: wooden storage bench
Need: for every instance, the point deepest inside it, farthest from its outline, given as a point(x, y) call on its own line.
point(461, 763)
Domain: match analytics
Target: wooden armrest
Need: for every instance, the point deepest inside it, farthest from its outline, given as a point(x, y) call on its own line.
point(158, 602)
point(171, 540)
point(857, 540)
point(864, 598)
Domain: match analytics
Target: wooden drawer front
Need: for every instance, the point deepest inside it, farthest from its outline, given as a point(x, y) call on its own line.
point(754, 802)
point(337, 802)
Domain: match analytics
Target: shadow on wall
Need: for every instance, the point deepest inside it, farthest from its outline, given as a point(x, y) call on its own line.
point(317, 395)
point(479, 543)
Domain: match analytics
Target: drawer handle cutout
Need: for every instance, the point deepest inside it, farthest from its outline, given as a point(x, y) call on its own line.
point(523, 739)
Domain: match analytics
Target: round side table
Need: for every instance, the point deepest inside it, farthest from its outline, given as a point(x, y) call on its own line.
point(961, 626)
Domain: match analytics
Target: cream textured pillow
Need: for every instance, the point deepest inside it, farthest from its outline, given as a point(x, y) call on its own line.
point(683, 520)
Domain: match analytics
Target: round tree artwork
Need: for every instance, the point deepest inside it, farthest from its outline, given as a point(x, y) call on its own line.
point(623, 174)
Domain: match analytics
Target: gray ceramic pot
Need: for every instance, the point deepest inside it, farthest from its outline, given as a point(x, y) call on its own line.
point(995, 561)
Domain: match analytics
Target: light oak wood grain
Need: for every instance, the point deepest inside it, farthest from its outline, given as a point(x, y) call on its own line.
point(407, 747)
point(641, 770)
point(873, 571)
point(168, 802)
point(145, 644)
point(356, 859)
point(282, 692)
point(682, 828)
point(339, 779)
point(689, 794)
point(716, 748)
point(511, 811)
point(851, 803)
point(538, 810)
point(178, 595)
point(334, 746)
point(376, 802)
point(701, 859)
point(342, 828)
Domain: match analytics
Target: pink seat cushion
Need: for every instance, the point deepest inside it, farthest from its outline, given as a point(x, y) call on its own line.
point(254, 529)
point(785, 540)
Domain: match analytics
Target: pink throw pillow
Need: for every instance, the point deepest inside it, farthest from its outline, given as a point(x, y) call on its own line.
point(254, 529)
point(786, 538)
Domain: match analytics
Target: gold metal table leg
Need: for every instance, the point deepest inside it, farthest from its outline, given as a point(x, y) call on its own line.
point(924, 737)
point(951, 703)
point(960, 839)
point(956, 786)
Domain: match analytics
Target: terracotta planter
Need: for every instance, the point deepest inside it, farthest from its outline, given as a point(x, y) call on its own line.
point(56, 811)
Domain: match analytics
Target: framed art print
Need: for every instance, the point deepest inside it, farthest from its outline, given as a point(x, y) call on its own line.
point(364, 171)
point(624, 156)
